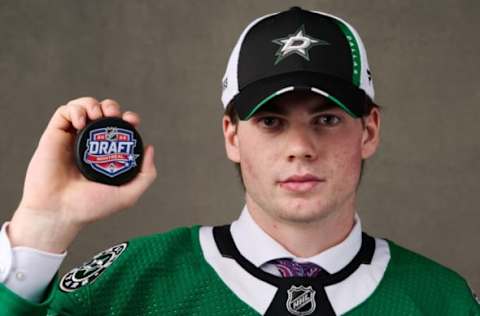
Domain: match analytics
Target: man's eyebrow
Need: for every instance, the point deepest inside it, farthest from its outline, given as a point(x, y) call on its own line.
point(284, 110)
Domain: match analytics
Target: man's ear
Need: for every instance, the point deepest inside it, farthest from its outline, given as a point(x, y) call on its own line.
point(371, 133)
point(231, 139)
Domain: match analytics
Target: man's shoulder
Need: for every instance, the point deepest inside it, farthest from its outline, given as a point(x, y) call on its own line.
point(425, 278)
point(410, 262)
point(177, 242)
point(173, 236)
point(159, 251)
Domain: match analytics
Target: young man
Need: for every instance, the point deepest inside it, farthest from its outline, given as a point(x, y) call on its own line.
point(299, 123)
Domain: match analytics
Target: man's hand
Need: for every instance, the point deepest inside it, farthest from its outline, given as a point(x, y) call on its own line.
point(57, 199)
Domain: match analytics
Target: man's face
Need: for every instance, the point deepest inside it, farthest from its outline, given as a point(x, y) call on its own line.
point(301, 157)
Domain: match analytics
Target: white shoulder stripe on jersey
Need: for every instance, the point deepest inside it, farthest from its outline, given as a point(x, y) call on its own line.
point(254, 292)
point(358, 287)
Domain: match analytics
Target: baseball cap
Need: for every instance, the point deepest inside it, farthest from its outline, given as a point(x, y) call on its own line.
point(298, 49)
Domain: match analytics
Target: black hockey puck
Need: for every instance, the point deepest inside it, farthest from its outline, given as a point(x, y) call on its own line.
point(109, 150)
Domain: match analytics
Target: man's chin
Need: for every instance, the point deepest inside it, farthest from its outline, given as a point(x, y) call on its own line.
point(303, 215)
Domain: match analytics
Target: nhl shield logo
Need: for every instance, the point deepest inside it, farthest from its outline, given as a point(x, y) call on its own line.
point(110, 150)
point(301, 300)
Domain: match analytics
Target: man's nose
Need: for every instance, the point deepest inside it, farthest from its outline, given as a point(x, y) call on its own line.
point(301, 144)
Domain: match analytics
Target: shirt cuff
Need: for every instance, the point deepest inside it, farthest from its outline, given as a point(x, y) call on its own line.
point(26, 271)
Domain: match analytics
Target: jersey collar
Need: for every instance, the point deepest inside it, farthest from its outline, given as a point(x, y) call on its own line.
point(259, 248)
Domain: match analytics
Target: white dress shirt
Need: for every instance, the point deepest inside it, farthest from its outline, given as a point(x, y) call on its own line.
point(259, 248)
point(27, 271)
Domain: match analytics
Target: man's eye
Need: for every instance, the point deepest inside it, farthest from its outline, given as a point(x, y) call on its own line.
point(269, 122)
point(328, 120)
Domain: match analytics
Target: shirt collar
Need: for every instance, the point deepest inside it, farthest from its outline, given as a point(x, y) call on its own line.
point(259, 248)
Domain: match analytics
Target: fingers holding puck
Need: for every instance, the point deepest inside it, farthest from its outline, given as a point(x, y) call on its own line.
point(132, 118)
point(109, 150)
point(83, 110)
point(111, 108)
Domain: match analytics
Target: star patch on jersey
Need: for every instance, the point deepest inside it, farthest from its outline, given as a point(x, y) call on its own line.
point(301, 300)
point(297, 43)
point(89, 271)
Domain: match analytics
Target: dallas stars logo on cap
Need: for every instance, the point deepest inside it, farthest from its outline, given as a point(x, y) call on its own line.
point(297, 43)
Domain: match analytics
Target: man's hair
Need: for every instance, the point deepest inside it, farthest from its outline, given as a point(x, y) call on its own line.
point(231, 112)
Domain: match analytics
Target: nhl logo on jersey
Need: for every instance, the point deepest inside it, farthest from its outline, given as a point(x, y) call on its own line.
point(301, 300)
point(110, 151)
point(91, 270)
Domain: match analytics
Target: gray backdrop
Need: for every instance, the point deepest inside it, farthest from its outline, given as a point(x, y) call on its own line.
point(165, 60)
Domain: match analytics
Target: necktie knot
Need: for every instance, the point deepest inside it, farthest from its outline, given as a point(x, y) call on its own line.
point(289, 268)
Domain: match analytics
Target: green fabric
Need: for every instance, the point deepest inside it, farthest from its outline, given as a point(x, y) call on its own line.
point(11, 304)
point(166, 274)
point(414, 285)
point(163, 275)
point(355, 50)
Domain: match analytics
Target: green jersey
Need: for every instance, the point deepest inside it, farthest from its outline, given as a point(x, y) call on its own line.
point(199, 271)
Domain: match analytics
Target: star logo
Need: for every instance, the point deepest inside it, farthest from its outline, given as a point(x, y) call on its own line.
point(91, 270)
point(297, 43)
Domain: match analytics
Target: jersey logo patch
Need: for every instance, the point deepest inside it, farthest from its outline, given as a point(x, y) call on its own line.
point(89, 271)
point(110, 150)
point(301, 300)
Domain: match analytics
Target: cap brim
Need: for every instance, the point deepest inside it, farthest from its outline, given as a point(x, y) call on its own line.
point(345, 95)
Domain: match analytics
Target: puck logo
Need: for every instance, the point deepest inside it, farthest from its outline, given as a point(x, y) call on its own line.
point(91, 270)
point(301, 300)
point(110, 151)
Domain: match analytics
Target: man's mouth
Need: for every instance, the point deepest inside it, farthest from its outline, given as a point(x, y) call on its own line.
point(300, 183)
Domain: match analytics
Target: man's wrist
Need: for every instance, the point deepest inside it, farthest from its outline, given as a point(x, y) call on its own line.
point(46, 233)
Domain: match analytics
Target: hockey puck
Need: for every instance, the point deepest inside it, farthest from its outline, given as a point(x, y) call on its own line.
point(109, 150)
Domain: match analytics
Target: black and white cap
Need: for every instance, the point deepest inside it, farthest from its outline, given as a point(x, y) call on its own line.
point(298, 49)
